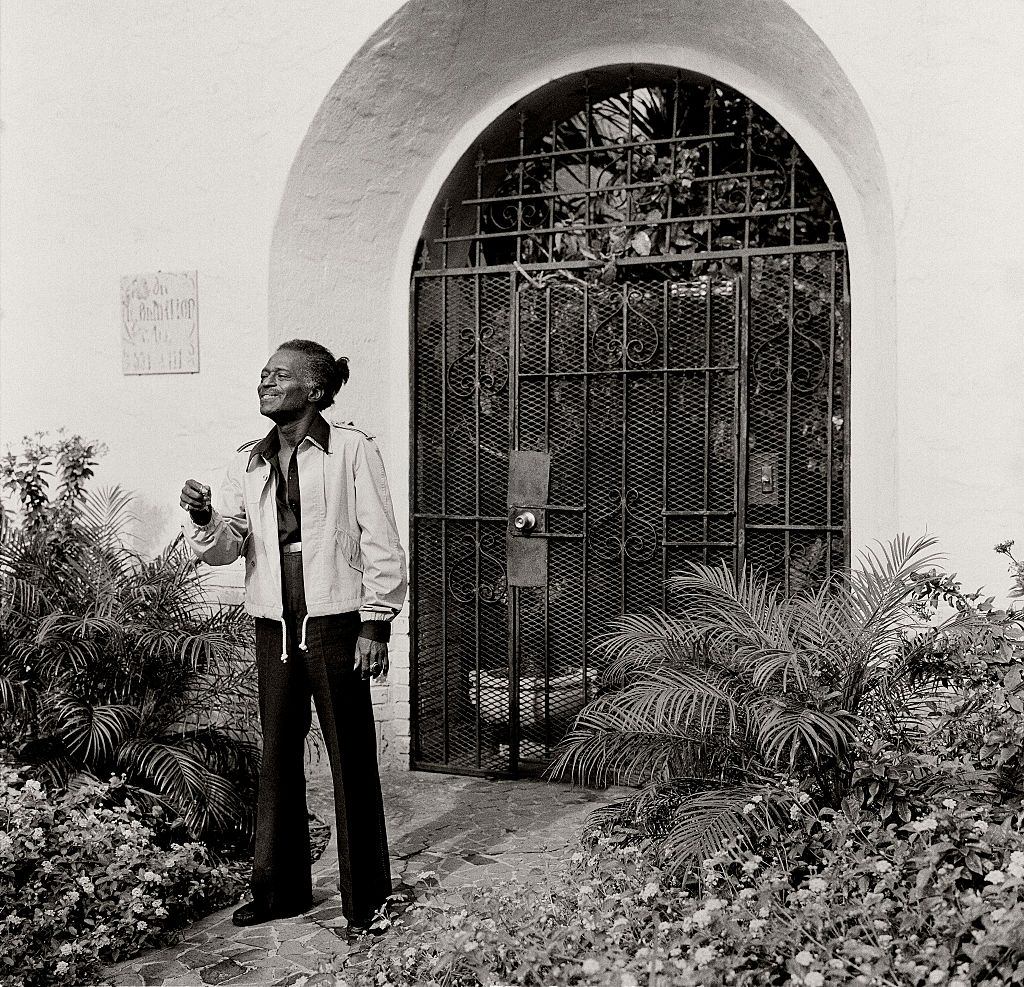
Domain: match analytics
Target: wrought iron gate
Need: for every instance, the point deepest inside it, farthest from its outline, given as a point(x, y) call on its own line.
point(679, 405)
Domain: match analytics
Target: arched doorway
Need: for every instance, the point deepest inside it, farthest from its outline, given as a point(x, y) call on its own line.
point(630, 351)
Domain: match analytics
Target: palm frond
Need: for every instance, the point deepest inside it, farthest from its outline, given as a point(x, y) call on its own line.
point(602, 757)
point(91, 734)
point(206, 801)
point(791, 732)
point(17, 697)
point(707, 822)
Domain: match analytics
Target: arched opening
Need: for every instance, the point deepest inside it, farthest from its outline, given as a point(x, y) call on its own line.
point(630, 351)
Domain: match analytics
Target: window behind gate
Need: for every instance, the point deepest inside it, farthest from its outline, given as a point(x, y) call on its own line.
point(651, 291)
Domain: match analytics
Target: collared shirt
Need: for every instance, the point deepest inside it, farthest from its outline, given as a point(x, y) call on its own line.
point(289, 498)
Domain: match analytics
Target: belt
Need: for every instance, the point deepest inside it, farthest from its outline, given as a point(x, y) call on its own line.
point(292, 548)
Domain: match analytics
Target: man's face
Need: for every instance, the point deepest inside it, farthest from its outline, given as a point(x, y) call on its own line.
point(282, 391)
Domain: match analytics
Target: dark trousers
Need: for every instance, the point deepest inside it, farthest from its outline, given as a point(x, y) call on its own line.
point(281, 876)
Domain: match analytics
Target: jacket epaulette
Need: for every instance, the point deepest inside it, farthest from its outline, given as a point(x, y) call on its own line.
point(247, 445)
point(352, 427)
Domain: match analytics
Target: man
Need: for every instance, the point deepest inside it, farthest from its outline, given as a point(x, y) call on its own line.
point(308, 507)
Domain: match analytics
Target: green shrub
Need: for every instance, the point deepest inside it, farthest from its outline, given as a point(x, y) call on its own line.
point(847, 690)
point(85, 881)
point(114, 662)
point(937, 901)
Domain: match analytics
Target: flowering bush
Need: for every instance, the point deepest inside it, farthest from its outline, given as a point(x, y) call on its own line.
point(936, 901)
point(85, 881)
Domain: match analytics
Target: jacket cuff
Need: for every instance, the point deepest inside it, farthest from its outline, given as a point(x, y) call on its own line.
point(376, 630)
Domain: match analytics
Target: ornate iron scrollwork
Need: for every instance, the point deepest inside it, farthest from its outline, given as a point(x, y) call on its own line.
point(769, 365)
point(637, 341)
point(636, 547)
point(478, 572)
point(466, 377)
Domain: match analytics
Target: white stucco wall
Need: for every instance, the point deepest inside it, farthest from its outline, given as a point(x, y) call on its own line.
point(177, 135)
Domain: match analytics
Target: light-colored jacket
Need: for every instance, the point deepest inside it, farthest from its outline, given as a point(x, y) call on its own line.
point(351, 555)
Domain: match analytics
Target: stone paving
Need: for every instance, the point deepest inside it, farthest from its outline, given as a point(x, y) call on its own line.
point(466, 830)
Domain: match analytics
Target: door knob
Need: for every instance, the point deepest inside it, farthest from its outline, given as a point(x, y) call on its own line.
point(524, 522)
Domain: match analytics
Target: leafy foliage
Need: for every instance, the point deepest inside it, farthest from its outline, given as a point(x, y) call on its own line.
point(744, 692)
point(92, 878)
point(937, 901)
point(114, 662)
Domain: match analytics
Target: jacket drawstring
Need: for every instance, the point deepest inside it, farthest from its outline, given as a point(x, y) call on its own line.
point(284, 641)
point(302, 643)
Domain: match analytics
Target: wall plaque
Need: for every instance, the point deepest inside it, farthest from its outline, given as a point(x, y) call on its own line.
point(160, 323)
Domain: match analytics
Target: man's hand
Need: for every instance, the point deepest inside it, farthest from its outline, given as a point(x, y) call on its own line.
point(195, 498)
point(371, 658)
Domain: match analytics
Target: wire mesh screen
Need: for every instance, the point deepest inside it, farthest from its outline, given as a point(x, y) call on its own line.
point(652, 291)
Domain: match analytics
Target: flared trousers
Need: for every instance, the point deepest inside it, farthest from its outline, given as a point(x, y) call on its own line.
point(281, 875)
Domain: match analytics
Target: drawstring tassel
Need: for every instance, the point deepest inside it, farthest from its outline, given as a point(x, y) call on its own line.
point(284, 641)
point(302, 643)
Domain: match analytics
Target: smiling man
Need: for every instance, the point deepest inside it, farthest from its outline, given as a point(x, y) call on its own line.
point(308, 507)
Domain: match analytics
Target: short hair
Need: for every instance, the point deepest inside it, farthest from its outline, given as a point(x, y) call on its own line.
point(323, 369)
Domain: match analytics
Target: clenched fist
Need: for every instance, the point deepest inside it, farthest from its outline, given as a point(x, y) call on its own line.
point(195, 498)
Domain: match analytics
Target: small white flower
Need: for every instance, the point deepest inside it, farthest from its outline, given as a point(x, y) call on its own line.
point(920, 825)
point(61, 967)
point(591, 966)
point(936, 976)
point(751, 865)
point(883, 866)
point(981, 826)
point(142, 924)
point(995, 877)
point(817, 885)
point(949, 803)
point(756, 925)
point(649, 891)
point(66, 949)
point(814, 979)
point(701, 918)
point(804, 958)
point(703, 955)
point(714, 904)
point(748, 808)
point(746, 894)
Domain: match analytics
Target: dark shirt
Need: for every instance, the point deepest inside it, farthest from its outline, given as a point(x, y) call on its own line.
point(289, 498)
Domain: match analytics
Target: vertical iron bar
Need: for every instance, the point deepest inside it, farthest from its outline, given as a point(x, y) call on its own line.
point(712, 100)
point(478, 243)
point(673, 147)
point(586, 476)
point(551, 200)
point(623, 454)
point(665, 320)
point(742, 398)
point(789, 368)
point(629, 153)
point(547, 519)
point(707, 418)
point(742, 350)
point(847, 372)
point(590, 156)
point(414, 725)
point(476, 506)
point(520, 168)
point(513, 594)
point(829, 413)
point(445, 720)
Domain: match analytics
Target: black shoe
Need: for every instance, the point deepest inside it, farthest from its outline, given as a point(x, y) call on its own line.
point(256, 912)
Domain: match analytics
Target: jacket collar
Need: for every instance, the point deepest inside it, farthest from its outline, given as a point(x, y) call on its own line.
point(269, 446)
